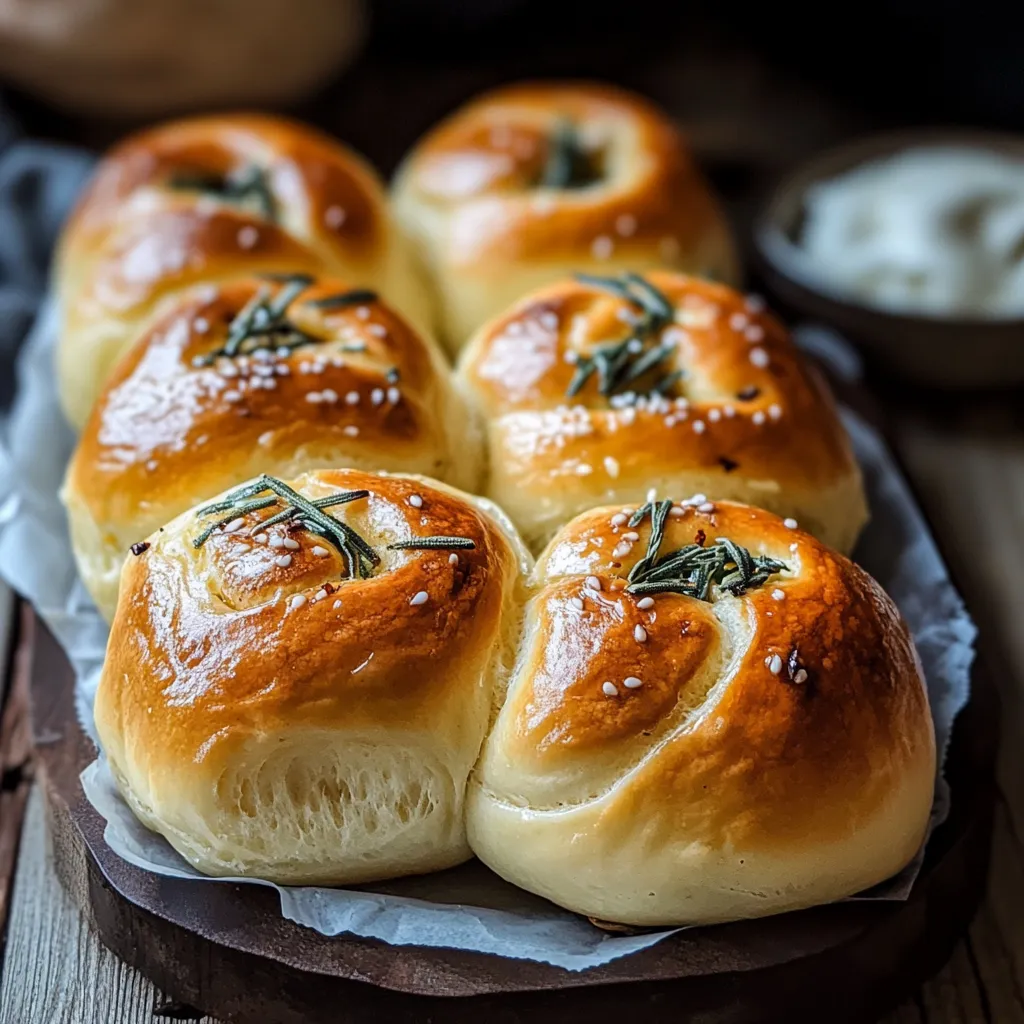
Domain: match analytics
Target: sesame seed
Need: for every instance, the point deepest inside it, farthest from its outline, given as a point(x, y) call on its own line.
point(729, 411)
point(276, 541)
point(778, 595)
point(350, 431)
point(759, 357)
point(800, 675)
point(320, 552)
point(394, 395)
point(200, 325)
point(738, 321)
point(676, 511)
point(377, 396)
point(297, 601)
point(602, 247)
point(329, 395)
point(758, 418)
point(794, 548)
point(320, 594)
point(336, 605)
point(635, 346)
point(571, 357)
point(699, 426)
point(639, 634)
point(620, 519)
point(577, 603)
point(593, 582)
point(790, 524)
point(363, 312)
point(260, 538)
point(611, 466)
point(775, 411)
point(282, 370)
point(625, 224)
point(283, 561)
point(714, 415)
point(420, 597)
point(754, 333)
point(774, 664)
point(652, 494)
point(352, 398)
point(644, 603)
point(232, 396)
point(549, 320)
point(609, 689)
point(453, 559)
point(235, 524)
point(334, 216)
point(377, 330)
point(632, 682)
point(227, 371)
point(631, 535)
point(621, 551)
point(248, 237)
point(696, 499)
point(706, 506)
point(314, 396)
point(416, 501)
point(291, 544)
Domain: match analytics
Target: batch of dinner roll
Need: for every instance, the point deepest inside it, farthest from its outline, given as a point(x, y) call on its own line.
point(579, 606)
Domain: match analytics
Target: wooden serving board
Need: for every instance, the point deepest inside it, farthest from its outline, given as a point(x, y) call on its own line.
point(227, 950)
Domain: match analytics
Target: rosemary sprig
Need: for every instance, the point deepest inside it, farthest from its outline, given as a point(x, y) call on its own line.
point(618, 364)
point(359, 555)
point(353, 297)
point(247, 184)
point(431, 544)
point(569, 164)
point(690, 570)
point(263, 323)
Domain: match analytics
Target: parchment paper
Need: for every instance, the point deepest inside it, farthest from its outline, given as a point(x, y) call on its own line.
point(468, 907)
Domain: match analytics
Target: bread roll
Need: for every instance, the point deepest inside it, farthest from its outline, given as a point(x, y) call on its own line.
point(533, 181)
point(274, 713)
point(663, 759)
point(726, 406)
point(204, 200)
point(337, 378)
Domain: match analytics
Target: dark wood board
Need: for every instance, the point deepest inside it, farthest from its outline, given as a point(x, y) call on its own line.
point(226, 948)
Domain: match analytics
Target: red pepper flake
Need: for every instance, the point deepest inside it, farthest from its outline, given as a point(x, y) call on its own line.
point(727, 464)
point(700, 537)
point(140, 547)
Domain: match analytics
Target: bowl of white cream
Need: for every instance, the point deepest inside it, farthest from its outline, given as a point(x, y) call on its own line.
point(913, 244)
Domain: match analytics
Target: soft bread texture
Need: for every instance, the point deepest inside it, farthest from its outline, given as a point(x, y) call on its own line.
point(368, 392)
point(286, 722)
point(136, 238)
point(777, 753)
point(748, 419)
point(470, 194)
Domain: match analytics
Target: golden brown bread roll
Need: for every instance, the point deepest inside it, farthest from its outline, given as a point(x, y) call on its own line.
point(303, 702)
point(323, 375)
point(597, 390)
point(533, 181)
point(204, 200)
point(678, 751)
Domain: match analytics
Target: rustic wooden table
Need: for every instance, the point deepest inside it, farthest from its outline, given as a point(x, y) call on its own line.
point(965, 457)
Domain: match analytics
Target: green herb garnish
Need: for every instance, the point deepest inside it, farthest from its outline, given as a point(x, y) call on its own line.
point(569, 163)
point(263, 323)
point(692, 569)
point(309, 514)
point(247, 184)
point(618, 364)
point(431, 543)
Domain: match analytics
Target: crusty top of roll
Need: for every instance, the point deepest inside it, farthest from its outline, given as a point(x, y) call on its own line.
point(313, 187)
point(176, 421)
point(745, 402)
point(244, 634)
point(484, 164)
point(768, 721)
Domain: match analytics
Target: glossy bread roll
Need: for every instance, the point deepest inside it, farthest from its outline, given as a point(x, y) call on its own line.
point(203, 200)
point(273, 711)
point(323, 375)
point(730, 734)
point(533, 181)
point(596, 391)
